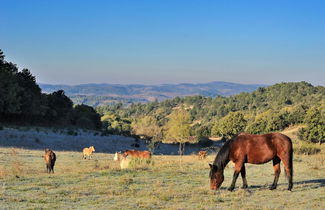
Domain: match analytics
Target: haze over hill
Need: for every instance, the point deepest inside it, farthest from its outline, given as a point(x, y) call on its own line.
point(103, 94)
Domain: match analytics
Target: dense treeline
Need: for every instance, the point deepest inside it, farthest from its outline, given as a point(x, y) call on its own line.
point(267, 109)
point(22, 102)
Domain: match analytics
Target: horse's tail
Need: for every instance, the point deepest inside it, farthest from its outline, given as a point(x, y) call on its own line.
point(290, 158)
point(289, 173)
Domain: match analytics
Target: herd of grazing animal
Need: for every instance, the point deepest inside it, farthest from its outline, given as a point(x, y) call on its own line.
point(244, 148)
point(124, 159)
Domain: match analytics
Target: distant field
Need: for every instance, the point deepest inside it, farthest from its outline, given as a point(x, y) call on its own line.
point(170, 183)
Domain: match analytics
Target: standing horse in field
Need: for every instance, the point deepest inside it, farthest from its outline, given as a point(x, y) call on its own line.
point(50, 159)
point(88, 151)
point(138, 154)
point(255, 149)
point(202, 154)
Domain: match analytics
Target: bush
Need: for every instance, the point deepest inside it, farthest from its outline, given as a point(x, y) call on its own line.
point(306, 148)
point(230, 125)
point(315, 130)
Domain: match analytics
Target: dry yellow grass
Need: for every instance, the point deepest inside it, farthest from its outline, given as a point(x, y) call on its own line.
point(170, 182)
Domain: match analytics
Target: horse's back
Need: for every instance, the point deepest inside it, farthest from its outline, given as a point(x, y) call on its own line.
point(87, 151)
point(258, 149)
point(138, 154)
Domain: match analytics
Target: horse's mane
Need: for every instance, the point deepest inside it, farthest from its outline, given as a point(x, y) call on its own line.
point(222, 157)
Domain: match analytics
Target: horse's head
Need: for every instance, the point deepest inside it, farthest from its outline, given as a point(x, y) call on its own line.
point(216, 177)
point(92, 148)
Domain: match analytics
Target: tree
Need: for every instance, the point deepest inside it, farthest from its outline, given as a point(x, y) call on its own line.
point(315, 121)
point(115, 124)
point(147, 126)
point(30, 93)
point(86, 117)
point(59, 107)
point(178, 129)
point(230, 125)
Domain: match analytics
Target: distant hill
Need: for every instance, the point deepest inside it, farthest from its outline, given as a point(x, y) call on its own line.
point(104, 94)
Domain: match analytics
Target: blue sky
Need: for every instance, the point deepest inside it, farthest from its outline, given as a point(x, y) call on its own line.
point(167, 41)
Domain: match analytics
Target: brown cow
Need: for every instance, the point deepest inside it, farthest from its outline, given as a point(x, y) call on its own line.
point(202, 155)
point(50, 159)
point(138, 154)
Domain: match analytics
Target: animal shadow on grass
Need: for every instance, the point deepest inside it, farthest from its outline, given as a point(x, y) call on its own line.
point(313, 184)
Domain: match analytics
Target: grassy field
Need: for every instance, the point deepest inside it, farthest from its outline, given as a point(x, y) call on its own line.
point(170, 183)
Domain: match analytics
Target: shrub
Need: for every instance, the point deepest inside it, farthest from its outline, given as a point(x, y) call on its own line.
point(230, 125)
point(306, 148)
point(315, 130)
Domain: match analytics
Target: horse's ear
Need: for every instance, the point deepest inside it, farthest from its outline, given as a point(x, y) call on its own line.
point(211, 166)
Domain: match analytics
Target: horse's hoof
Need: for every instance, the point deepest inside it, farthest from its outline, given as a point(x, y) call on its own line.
point(231, 189)
point(244, 186)
point(272, 187)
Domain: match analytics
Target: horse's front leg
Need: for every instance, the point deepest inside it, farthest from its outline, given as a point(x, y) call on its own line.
point(235, 176)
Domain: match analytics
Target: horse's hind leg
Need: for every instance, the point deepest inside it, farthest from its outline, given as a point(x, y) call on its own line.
point(243, 175)
point(287, 162)
point(277, 171)
point(52, 169)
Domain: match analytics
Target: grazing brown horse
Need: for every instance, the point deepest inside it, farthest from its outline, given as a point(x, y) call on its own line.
point(202, 155)
point(255, 149)
point(138, 154)
point(50, 159)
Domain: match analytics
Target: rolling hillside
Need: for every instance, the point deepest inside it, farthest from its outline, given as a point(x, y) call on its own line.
point(104, 94)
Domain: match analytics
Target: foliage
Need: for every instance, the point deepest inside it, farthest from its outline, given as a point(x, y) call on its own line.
point(306, 148)
point(178, 129)
point(115, 124)
point(147, 127)
point(178, 126)
point(230, 125)
point(86, 117)
point(267, 109)
point(315, 121)
point(21, 101)
point(268, 121)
